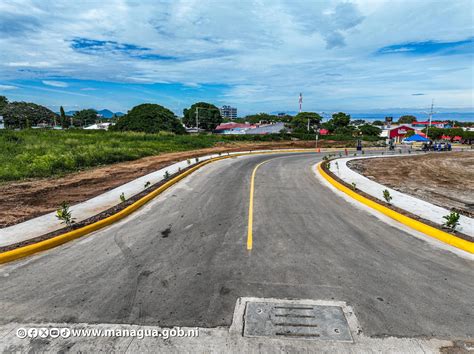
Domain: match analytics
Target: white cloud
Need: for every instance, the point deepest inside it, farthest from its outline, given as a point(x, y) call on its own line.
point(55, 83)
point(7, 87)
point(264, 51)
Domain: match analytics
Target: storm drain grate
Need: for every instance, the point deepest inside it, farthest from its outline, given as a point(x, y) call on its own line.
point(322, 322)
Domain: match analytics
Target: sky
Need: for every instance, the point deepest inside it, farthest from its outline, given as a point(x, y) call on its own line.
point(256, 55)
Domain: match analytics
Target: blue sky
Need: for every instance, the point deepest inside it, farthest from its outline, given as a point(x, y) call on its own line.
point(257, 55)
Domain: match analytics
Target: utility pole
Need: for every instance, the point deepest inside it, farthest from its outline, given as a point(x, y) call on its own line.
point(197, 119)
point(431, 116)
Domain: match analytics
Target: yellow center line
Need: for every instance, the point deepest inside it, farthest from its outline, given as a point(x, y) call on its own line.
point(252, 188)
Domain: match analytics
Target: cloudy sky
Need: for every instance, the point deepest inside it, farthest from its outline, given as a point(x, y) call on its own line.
point(257, 55)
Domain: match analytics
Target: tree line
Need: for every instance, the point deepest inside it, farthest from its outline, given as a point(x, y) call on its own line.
point(153, 118)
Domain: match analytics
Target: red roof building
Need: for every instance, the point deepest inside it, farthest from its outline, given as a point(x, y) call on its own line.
point(398, 133)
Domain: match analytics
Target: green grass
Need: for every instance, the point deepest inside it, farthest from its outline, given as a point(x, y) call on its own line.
point(44, 153)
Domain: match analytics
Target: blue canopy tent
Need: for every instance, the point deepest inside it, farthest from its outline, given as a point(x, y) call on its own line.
point(417, 138)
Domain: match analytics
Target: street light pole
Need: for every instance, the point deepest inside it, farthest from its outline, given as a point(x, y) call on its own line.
point(197, 119)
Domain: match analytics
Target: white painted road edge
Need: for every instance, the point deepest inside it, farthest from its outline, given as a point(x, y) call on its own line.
point(430, 240)
point(403, 201)
point(216, 340)
point(48, 223)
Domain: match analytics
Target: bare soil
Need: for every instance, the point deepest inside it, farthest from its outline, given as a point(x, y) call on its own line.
point(444, 179)
point(27, 199)
point(393, 207)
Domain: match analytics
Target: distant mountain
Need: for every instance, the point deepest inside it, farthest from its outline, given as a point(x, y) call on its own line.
point(105, 113)
point(109, 114)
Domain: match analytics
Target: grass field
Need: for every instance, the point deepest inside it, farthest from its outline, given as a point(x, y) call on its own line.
point(45, 153)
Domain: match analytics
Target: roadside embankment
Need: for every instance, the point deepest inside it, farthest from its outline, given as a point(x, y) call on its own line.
point(26, 199)
point(446, 180)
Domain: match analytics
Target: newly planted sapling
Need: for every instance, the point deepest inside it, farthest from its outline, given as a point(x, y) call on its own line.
point(387, 196)
point(63, 213)
point(452, 220)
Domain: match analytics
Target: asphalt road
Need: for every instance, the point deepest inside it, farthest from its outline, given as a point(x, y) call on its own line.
point(182, 260)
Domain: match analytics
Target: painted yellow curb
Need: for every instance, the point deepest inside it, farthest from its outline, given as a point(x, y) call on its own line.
point(28, 250)
point(414, 224)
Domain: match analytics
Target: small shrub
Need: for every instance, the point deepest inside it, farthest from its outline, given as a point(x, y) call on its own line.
point(340, 154)
point(166, 175)
point(147, 184)
point(452, 220)
point(197, 159)
point(355, 153)
point(354, 186)
point(363, 152)
point(64, 214)
point(399, 151)
point(189, 162)
point(387, 196)
point(122, 197)
point(328, 165)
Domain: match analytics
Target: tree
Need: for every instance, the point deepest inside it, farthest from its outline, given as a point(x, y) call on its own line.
point(299, 123)
point(409, 133)
point(25, 115)
point(3, 102)
point(340, 120)
point(407, 119)
point(209, 116)
point(378, 123)
point(84, 117)
point(149, 118)
point(345, 130)
point(267, 118)
point(63, 119)
point(357, 122)
point(368, 129)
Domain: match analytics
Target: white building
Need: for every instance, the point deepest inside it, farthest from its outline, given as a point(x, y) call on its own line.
point(99, 126)
point(228, 112)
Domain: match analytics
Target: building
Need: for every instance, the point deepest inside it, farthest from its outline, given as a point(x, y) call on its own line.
point(233, 128)
point(435, 124)
point(274, 128)
point(228, 112)
point(99, 126)
point(396, 132)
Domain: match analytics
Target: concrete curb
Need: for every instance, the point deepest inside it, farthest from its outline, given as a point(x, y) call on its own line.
point(28, 250)
point(412, 223)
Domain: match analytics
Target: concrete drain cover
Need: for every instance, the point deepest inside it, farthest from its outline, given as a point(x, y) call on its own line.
point(291, 320)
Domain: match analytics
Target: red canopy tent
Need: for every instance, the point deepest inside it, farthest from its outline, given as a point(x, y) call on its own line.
point(457, 138)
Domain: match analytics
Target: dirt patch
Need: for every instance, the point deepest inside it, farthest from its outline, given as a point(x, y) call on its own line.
point(444, 179)
point(31, 198)
point(398, 210)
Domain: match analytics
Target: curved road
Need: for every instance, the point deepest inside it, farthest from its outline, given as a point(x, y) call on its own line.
point(182, 259)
